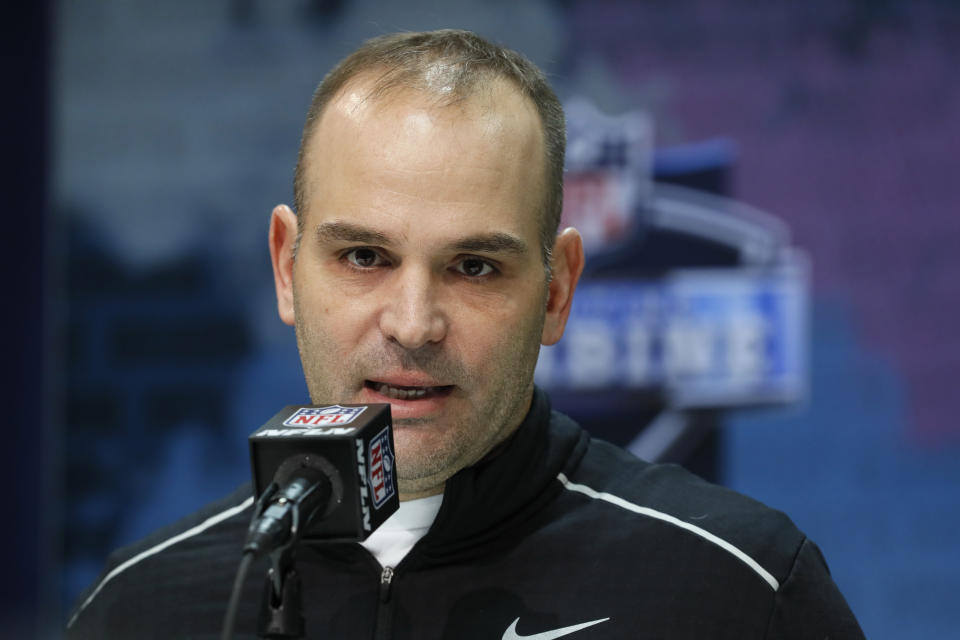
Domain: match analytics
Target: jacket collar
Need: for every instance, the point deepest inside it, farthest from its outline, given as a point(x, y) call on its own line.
point(488, 504)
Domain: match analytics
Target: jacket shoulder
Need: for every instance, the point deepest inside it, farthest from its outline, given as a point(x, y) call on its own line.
point(140, 581)
point(765, 540)
point(689, 535)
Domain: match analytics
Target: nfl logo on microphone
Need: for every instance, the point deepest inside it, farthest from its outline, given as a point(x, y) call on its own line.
point(335, 416)
point(381, 468)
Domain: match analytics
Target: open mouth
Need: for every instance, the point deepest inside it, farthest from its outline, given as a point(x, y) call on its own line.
point(400, 392)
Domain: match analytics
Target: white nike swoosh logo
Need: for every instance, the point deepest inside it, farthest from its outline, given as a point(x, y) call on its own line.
point(511, 632)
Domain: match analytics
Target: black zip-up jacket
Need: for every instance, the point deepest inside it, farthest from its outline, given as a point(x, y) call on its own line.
point(554, 534)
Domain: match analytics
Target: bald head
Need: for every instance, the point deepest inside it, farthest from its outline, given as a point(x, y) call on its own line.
point(449, 69)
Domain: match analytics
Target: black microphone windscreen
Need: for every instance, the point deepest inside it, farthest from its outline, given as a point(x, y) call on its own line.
point(351, 444)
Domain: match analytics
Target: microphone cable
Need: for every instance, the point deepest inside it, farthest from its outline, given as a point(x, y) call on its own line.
point(229, 620)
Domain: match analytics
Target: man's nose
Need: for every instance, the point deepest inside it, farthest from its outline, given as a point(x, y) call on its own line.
point(412, 315)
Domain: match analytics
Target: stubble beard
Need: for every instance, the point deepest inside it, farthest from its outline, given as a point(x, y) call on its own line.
point(490, 415)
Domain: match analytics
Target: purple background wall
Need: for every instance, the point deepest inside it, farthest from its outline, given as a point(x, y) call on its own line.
point(175, 131)
point(847, 116)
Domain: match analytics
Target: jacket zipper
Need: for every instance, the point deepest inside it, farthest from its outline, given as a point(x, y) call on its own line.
point(385, 607)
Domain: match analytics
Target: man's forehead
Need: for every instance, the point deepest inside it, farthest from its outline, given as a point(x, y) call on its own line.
point(495, 104)
point(365, 139)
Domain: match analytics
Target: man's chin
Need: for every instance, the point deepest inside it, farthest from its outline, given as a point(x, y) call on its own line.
point(423, 457)
point(421, 480)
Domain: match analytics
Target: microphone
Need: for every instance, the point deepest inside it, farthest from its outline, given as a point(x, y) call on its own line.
point(321, 473)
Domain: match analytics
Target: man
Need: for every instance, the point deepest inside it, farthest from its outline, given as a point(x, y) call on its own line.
point(423, 268)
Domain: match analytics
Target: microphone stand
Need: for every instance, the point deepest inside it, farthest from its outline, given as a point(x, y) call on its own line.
point(281, 610)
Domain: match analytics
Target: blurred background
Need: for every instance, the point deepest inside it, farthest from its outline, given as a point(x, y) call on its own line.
point(767, 189)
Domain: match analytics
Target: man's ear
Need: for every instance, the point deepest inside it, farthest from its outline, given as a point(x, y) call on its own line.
point(283, 236)
point(567, 266)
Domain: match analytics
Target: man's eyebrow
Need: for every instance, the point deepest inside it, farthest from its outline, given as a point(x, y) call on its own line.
point(497, 242)
point(349, 232)
point(491, 243)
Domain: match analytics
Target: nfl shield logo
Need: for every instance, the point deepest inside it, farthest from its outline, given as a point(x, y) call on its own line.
point(334, 416)
point(381, 466)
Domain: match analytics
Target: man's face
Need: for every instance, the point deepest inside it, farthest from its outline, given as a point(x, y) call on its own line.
point(419, 279)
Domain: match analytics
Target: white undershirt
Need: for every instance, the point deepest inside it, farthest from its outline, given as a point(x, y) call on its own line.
point(395, 537)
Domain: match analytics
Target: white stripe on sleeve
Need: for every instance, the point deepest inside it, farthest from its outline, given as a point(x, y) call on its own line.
point(189, 533)
point(665, 517)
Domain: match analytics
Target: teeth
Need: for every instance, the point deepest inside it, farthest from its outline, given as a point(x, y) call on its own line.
point(401, 394)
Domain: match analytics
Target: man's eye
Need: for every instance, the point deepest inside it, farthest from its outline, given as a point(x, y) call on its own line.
point(363, 257)
point(474, 267)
